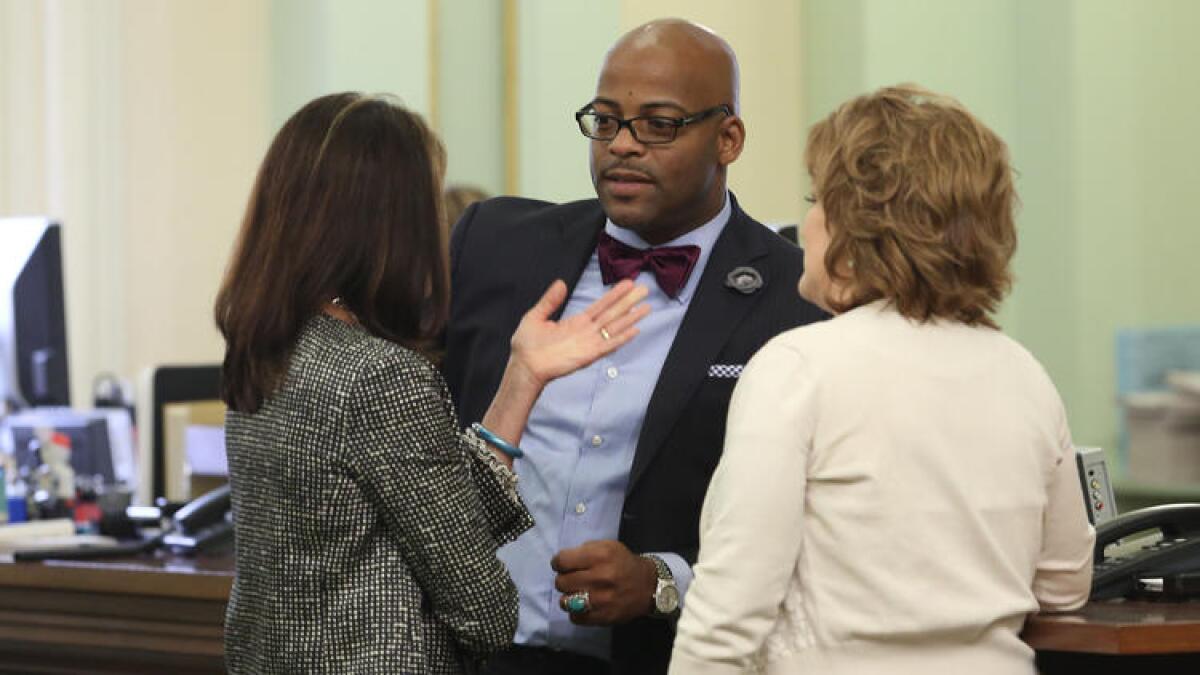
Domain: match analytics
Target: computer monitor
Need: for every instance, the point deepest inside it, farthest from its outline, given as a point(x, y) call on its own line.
point(161, 386)
point(33, 323)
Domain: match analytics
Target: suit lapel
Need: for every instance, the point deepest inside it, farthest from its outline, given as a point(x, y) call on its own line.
point(712, 316)
point(560, 251)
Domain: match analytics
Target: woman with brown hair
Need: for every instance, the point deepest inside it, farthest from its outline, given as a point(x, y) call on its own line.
point(366, 525)
point(898, 488)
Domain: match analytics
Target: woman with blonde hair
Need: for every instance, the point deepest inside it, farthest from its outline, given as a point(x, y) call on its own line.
point(898, 487)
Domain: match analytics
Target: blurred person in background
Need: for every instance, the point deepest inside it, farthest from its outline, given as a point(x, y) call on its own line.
point(458, 197)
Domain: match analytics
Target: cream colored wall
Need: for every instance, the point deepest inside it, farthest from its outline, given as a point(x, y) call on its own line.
point(22, 106)
point(141, 124)
point(766, 35)
point(194, 125)
point(138, 125)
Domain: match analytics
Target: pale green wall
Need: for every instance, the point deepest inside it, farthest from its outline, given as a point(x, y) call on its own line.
point(325, 46)
point(322, 46)
point(471, 89)
point(1097, 100)
point(561, 44)
point(1136, 177)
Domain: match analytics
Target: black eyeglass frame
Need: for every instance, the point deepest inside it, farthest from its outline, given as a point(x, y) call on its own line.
point(676, 123)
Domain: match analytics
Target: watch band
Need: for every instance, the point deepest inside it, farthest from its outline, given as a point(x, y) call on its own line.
point(660, 565)
point(666, 593)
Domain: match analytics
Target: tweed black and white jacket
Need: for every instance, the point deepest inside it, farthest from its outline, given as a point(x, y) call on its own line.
point(366, 525)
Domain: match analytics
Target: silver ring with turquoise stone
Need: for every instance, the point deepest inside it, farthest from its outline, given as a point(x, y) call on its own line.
point(579, 602)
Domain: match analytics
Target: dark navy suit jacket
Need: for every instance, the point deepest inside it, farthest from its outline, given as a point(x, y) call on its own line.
point(505, 252)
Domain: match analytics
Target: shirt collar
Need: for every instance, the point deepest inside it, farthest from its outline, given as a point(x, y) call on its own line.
point(704, 236)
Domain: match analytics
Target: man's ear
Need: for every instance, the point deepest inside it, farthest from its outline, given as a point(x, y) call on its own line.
point(731, 140)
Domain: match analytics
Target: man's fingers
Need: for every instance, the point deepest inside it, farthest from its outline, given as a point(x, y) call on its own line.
point(567, 560)
point(584, 556)
point(571, 582)
point(599, 605)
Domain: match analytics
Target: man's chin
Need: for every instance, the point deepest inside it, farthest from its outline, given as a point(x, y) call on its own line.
point(630, 216)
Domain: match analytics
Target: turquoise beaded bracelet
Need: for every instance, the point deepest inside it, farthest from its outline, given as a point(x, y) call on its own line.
point(501, 444)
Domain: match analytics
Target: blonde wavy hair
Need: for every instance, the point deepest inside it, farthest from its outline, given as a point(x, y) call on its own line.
point(919, 203)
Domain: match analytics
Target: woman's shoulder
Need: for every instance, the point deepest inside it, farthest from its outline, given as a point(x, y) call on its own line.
point(351, 354)
point(820, 335)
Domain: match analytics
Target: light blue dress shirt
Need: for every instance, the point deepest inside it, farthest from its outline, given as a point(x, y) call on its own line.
point(579, 446)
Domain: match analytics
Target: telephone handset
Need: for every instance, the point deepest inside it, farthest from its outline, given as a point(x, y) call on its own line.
point(203, 524)
point(1178, 550)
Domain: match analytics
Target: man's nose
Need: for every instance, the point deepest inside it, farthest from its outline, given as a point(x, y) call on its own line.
point(625, 144)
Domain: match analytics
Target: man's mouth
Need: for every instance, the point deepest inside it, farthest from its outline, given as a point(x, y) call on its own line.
point(627, 183)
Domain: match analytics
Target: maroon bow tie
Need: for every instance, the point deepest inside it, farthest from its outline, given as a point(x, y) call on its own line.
point(671, 265)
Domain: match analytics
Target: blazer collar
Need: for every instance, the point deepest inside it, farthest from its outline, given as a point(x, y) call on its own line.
point(565, 246)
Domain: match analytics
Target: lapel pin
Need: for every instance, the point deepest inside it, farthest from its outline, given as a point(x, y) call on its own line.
point(744, 280)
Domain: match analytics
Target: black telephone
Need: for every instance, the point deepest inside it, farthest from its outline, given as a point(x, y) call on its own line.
point(1176, 553)
point(203, 524)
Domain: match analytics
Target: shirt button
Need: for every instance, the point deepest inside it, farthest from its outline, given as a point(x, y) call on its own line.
point(580, 508)
point(612, 372)
point(596, 441)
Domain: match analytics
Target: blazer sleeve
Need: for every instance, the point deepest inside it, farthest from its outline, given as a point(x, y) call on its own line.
point(405, 451)
point(503, 508)
point(753, 518)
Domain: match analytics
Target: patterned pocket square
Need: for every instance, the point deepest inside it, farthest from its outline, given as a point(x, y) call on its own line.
point(726, 370)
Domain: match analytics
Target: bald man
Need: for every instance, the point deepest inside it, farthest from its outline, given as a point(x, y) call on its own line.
point(617, 456)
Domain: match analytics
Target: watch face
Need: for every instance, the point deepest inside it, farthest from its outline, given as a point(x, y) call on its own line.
point(667, 599)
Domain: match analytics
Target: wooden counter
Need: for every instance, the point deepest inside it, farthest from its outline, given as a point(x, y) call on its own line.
point(1118, 637)
point(164, 614)
point(151, 614)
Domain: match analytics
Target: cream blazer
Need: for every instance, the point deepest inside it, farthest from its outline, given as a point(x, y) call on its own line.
point(893, 497)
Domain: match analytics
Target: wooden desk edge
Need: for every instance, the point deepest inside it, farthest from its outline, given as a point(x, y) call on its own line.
point(1075, 632)
point(125, 580)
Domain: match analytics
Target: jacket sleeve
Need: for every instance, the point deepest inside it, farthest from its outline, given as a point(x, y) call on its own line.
point(406, 452)
point(1063, 578)
point(503, 508)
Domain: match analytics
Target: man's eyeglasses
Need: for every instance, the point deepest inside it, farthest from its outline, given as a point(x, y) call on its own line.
point(646, 129)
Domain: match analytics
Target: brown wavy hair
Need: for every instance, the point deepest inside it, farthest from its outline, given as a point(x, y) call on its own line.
point(919, 202)
point(347, 204)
